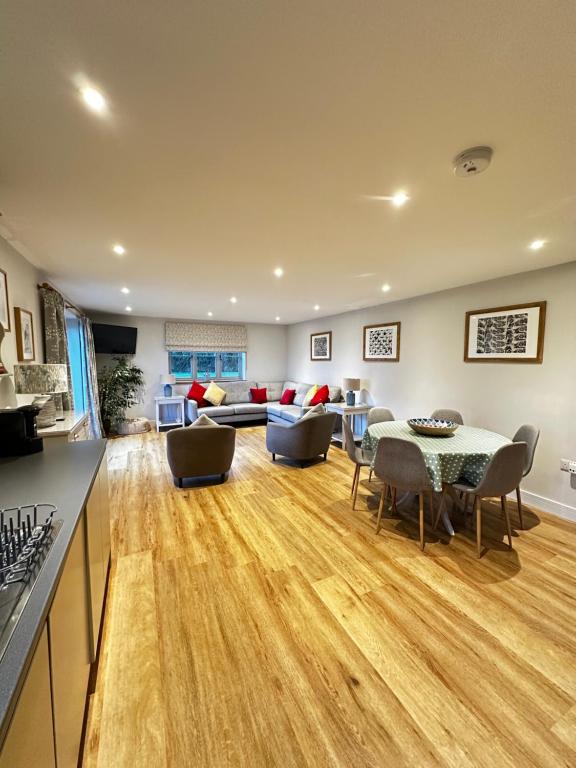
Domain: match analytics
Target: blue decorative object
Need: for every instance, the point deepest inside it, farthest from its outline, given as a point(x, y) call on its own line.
point(350, 398)
point(167, 390)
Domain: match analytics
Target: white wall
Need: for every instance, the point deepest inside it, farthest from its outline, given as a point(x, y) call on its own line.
point(431, 372)
point(265, 358)
point(22, 292)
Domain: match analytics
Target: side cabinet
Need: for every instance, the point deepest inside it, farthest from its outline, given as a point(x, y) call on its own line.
point(98, 549)
point(30, 739)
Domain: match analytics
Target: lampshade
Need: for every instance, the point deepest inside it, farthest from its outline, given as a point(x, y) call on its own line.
point(167, 378)
point(351, 384)
point(41, 379)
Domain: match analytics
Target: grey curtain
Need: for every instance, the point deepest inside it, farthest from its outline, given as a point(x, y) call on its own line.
point(92, 399)
point(55, 339)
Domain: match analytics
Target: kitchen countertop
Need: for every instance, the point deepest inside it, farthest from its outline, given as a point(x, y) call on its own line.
point(62, 428)
point(62, 476)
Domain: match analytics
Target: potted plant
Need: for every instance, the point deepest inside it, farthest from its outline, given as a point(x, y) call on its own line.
point(120, 387)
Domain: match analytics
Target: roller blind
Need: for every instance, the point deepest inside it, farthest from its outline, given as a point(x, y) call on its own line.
point(206, 337)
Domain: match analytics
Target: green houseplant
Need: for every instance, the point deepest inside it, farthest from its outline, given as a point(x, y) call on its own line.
point(120, 387)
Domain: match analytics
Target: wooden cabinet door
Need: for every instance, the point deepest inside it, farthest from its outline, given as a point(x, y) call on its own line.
point(105, 509)
point(68, 625)
point(30, 739)
point(95, 563)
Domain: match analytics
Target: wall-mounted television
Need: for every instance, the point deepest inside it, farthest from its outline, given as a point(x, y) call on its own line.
point(114, 339)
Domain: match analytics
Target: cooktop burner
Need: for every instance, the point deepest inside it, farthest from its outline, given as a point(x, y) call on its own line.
point(26, 535)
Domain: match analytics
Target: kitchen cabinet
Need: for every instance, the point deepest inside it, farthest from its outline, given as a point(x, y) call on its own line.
point(30, 739)
point(98, 549)
point(69, 630)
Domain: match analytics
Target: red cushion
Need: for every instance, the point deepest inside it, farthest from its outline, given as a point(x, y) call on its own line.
point(196, 392)
point(322, 396)
point(258, 395)
point(288, 397)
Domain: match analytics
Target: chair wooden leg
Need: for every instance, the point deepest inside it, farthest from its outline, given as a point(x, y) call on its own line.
point(354, 479)
point(273, 457)
point(355, 484)
point(381, 507)
point(478, 510)
point(504, 503)
point(519, 502)
point(421, 518)
point(370, 475)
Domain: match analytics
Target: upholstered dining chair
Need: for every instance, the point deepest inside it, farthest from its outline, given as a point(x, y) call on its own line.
point(400, 465)
point(529, 435)
point(357, 455)
point(448, 414)
point(502, 476)
point(375, 416)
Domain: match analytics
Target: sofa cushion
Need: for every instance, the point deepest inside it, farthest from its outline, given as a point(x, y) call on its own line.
point(273, 389)
point(301, 391)
point(287, 412)
point(316, 411)
point(288, 397)
point(335, 394)
point(258, 409)
point(322, 395)
point(310, 394)
point(237, 391)
point(258, 395)
point(204, 421)
point(196, 392)
point(214, 394)
point(219, 410)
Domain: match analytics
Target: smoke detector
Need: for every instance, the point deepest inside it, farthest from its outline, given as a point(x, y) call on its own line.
point(472, 161)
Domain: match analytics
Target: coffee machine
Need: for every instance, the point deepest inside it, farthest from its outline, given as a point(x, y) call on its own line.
point(18, 431)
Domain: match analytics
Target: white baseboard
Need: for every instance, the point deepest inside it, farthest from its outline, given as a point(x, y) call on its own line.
point(547, 505)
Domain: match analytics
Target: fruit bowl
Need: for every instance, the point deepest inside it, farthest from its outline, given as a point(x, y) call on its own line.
point(433, 427)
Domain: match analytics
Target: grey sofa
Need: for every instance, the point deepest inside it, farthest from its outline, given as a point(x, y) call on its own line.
point(200, 451)
point(238, 407)
point(302, 440)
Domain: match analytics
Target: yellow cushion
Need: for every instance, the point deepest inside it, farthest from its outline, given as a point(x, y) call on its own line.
point(214, 394)
point(309, 395)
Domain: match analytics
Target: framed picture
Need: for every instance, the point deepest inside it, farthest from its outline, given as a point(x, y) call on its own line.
point(24, 327)
point(512, 334)
point(382, 342)
point(4, 310)
point(321, 346)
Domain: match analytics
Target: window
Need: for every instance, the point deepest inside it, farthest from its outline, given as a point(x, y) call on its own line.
point(205, 366)
point(77, 356)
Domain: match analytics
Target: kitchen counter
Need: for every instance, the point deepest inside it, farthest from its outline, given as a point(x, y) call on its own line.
point(71, 421)
point(64, 477)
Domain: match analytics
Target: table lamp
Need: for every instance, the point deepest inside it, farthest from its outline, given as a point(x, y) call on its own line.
point(351, 386)
point(168, 380)
point(42, 379)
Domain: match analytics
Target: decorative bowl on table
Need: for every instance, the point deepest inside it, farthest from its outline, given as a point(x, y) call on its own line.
point(433, 427)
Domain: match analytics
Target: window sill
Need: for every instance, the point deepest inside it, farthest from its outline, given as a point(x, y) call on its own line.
point(205, 381)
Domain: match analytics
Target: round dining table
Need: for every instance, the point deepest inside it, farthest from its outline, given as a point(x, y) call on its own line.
point(464, 454)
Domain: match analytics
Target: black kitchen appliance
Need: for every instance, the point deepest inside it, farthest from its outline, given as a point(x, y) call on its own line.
point(18, 431)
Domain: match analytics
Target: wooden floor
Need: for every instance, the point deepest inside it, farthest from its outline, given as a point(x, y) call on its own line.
point(261, 623)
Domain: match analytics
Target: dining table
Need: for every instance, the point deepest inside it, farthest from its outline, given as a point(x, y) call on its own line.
point(462, 455)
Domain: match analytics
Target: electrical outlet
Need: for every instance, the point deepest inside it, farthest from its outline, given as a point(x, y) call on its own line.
point(565, 465)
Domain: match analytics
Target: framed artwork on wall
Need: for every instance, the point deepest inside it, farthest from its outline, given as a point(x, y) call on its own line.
point(4, 309)
point(321, 346)
point(24, 327)
point(513, 334)
point(382, 342)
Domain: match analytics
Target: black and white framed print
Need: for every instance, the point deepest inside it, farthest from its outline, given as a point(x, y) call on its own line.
point(321, 346)
point(382, 342)
point(4, 309)
point(512, 334)
point(24, 326)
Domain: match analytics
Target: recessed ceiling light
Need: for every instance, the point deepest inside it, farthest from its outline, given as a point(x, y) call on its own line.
point(210, 314)
point(385, 287)
point(399, 199)
point(118, 249)
point(125, 290)
point(277, 319)
point(93, 99)
point(233, 299)
point(316, 307)
point(535, 245)
point(278, 271)
point(128, 309)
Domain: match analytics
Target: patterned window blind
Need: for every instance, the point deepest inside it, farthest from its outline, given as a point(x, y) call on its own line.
point(206, 337)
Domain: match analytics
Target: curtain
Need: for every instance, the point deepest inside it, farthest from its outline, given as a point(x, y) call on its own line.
point(206, 337)
point(92, 399)
point(55, 337)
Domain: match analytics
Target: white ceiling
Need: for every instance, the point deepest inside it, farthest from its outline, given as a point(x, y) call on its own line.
point(245, 135)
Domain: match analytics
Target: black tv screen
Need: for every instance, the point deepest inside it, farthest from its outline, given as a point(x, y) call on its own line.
point(114, 339)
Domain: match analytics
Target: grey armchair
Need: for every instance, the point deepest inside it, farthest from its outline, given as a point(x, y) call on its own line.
point(200, 451)
point(303, 440)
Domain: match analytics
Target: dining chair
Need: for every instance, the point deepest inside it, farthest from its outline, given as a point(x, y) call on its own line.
point(529, 435)
point(360, 458)
point(503, 475)
point(448, 414)
point(400, 465)
point(376, 416)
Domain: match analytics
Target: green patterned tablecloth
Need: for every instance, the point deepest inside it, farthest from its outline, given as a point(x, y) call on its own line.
point(464, 454)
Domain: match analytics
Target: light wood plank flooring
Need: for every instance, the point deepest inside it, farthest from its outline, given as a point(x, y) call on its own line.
point(261, 623)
